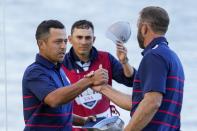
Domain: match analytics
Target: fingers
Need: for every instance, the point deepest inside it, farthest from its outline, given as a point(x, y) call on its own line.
point(102, 70)
point(121, 48)
point(119, 43)
point(105, 72)
point(100, 76)
point(92, 118)
point(121, 53)
point(104, 77)
point(100, 66)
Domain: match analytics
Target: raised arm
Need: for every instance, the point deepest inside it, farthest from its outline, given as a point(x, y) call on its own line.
point(121, 52)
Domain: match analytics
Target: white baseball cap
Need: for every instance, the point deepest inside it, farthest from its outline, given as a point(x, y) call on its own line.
point(119, 32)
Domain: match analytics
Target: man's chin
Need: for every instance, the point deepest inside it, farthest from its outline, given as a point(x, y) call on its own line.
point(142, 47)
point(84, 53)
point(60, 60)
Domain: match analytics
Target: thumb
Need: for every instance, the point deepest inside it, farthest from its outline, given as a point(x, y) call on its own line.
point(94, 118)
point(100, 66)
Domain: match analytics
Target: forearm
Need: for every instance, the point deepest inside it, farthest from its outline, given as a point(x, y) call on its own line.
point(128, 70)
point(121, 99)
point(144, 114)
point(66, 94)
point(123, 59)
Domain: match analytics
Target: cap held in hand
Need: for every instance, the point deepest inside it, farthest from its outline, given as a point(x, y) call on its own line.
point(119, 32)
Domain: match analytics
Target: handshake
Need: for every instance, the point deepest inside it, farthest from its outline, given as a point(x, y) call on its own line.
point(99, 78)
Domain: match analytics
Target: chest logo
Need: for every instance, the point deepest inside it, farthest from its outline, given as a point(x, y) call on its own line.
point(88, 98)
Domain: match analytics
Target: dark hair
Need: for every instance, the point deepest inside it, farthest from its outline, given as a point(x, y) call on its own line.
point(157, 17)
point(44, 27)
point(82, 24)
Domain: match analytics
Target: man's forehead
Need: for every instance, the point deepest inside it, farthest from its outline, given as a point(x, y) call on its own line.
point(82, 32)
point(57, 31)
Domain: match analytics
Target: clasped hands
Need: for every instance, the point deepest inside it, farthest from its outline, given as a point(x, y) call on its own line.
point(99, 78)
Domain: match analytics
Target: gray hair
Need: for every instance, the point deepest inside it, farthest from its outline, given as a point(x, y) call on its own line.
point(157, 17)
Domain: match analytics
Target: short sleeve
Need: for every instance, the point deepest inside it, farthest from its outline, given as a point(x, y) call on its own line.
point(153, 73)
point(39, 83)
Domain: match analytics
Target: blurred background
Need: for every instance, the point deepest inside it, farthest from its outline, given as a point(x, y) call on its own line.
point(19, 20)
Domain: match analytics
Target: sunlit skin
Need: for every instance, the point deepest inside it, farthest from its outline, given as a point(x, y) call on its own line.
point(53, 47)
point(82, 41)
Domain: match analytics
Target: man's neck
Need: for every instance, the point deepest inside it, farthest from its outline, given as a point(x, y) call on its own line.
point(83, 58)
point(43, 55)
point(148, 40)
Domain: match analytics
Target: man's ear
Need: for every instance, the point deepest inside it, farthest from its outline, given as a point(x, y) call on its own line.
point(144, 29)
point(94, 38)
point(70, 39)
point(41, 43)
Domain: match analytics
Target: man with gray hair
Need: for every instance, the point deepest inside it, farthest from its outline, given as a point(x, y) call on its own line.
point(158, 84)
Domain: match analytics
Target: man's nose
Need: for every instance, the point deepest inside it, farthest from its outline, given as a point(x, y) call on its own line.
point(63, 45)
point(83, 40)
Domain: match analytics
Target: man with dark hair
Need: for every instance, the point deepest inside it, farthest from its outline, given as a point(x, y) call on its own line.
point(84, 58)
point(47, 93)
point(158, 85)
